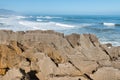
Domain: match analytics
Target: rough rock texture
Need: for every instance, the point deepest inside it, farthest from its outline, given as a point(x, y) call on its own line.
point(106, 73)
point(49, 55)
point(13, 74)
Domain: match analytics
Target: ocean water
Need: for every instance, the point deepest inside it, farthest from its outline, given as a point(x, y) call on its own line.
point(106, 28)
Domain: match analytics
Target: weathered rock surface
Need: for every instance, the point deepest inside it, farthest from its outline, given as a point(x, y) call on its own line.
point(13, 74)
point(49, 55)
point(106, 73)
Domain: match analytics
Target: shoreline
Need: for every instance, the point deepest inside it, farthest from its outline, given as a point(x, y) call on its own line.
point(50, 55)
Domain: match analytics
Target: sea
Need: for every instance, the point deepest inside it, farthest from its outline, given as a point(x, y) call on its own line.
point(105, 27)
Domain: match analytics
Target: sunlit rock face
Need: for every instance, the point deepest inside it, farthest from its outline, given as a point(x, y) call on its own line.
point(49, 55)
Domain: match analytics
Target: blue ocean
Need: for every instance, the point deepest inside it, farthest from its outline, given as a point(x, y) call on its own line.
point(106, 28)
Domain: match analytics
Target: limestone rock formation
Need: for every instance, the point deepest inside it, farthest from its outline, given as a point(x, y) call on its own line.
point(49, 55)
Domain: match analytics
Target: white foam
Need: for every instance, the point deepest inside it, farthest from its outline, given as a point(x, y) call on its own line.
point(1, 18)
point(39, 20)
point(20, 17)
point(17, 23)
point(64, 25)
point(47, 17)
point(109, 24)
point(114, 43)
point(106, 41)
point(45, 25)
point(29, 24)
point(30, 16)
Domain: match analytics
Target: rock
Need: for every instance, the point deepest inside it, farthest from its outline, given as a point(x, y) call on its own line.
point(109, 45)
point(106, 73)
point(94, 40)
point(40, 76)
point(67, 69)
point(94, 54)
point(55, 55)
point(16, 47)
point(49, 55)
point(13, 74)
point(91, 49)
point(9, 57)
point(84, 66)
point(88, 45)
point(46, 66)
point(85, 41)
point(112, 52)
point(73, 39)
point(2, 71)
point(25, 65)
point(106, 63)
point(68, 78)
point(116, 64)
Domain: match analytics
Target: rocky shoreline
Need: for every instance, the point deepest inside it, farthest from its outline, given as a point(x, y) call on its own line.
point(49, 55)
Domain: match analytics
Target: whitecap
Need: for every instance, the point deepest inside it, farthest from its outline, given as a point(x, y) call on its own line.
point(114, 43)
point(109, 24)
point(107, 40)
point(45, 25)
point(47, 17)
point(64, 25)
point(20, 17)
point(39, 20)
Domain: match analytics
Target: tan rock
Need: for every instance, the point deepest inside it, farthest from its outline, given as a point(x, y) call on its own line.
point(67, 69)
point(52, 56)
point(85, 66)
point(13, 74)
point(113, 52)
point(46, 66)
point(95, 54)
point(106, 73)
point(9, 57)
point(15, 46)
point(40, 76)
point(73, 39)
point(2, 71)
point(106, 63)
point(68, 78)
point(55, 55)
point(116, 64)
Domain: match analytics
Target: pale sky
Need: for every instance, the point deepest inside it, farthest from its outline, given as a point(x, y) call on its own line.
point(63, 6)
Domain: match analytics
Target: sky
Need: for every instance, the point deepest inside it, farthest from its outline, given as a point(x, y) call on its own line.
point(99, 7)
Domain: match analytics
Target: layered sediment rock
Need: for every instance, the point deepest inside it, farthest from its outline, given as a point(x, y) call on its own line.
point(48, 55)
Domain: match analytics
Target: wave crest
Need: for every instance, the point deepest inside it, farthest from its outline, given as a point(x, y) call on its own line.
point(47, 17)
point(45, 25)
point(110, 24)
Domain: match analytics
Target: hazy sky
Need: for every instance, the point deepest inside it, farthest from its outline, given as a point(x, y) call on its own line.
point(63, 6)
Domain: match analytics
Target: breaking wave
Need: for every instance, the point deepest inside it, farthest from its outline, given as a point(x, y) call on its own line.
point(18, 23)
point(110, 24)
point(45, 25)
point(114, 43)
